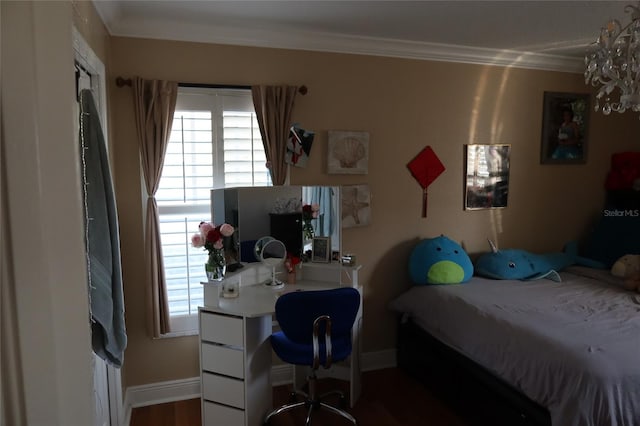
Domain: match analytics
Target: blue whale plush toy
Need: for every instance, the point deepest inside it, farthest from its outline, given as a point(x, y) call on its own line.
point(513, 264)
point(439, 260)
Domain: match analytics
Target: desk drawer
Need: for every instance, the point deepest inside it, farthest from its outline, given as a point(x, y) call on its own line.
point(222, 360)
point(221, 329)
point(224, 390)
point(216, 414)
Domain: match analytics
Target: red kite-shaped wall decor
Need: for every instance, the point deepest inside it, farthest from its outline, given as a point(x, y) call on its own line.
point(425, 168)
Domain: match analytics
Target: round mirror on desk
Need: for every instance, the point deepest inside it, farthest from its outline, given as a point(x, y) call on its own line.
point(272, 253)
point(257, 248)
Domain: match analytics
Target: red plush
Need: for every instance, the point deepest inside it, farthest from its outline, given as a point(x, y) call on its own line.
point(625, 168)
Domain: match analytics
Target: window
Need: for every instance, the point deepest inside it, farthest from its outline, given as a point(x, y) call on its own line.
point(215, 143)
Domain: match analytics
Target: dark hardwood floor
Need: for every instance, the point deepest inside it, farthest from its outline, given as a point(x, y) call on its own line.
point(389, 398)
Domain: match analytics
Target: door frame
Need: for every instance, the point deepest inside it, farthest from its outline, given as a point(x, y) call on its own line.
point(87, 58)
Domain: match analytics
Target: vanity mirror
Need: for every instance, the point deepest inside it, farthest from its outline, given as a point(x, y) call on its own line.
point(257, 249)
point(276, 211)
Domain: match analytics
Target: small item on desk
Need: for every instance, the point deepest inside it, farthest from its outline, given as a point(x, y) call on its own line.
point(348, 260)
point(230, 289)
point(290, 264)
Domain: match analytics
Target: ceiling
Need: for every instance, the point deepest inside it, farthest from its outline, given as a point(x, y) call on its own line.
point(532, 34)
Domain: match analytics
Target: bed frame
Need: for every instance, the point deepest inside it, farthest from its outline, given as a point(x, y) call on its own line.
point(476, 394)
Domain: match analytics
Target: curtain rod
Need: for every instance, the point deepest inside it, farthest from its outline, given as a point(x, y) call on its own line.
point(121, 82)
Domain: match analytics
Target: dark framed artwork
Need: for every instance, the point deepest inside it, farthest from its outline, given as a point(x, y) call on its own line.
point(486, 176)
point(321, 250)
point(565, 124)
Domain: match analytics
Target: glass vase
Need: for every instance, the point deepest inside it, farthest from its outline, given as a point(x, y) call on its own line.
point(216, 266)
point(307, 230)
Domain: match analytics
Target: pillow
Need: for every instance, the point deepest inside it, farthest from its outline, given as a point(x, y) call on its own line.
point(439, 260)
point(617, 234)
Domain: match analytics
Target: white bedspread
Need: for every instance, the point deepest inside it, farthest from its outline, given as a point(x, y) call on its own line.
point(573, 347)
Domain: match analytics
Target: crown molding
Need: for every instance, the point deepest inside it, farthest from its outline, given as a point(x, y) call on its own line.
point(109, 12)
point(342, 43)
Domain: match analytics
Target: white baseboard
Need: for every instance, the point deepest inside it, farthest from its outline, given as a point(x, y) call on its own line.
point(159, 393)
point(126, 410)
point(281, 374)
point(379, 360)
point(178, 390)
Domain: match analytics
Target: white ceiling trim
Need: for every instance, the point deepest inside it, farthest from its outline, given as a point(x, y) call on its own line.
point(109, 12)
point(342, 43)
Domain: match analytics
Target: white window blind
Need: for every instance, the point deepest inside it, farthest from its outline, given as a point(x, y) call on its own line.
point(215, 143)
point(244, 157)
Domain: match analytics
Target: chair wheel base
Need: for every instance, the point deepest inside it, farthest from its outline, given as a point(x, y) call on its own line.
point(312, 405)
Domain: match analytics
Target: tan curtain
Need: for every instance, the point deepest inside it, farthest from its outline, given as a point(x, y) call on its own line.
point(273, 106)
point(155, 103)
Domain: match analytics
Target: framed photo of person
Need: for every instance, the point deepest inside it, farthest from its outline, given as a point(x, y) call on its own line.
point(565, 126)
point(321, 250)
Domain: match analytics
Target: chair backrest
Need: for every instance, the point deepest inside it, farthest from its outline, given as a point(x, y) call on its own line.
point(297, 310)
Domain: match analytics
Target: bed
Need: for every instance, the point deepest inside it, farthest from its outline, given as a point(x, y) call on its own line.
point(565, 354)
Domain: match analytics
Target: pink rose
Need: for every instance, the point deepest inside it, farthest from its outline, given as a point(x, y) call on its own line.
point(205, 227)
point(226, 230)
point(197, 240)
point(315, 207)
point(218, 245)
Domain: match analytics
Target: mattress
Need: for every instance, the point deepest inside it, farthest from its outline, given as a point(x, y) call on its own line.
point(571, 346)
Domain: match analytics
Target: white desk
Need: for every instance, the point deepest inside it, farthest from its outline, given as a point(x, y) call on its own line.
point(235, 351)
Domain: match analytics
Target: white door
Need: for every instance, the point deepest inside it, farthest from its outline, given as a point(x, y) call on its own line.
point(101, 393)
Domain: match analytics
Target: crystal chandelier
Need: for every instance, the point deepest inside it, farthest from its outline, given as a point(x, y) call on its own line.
point(613, 65)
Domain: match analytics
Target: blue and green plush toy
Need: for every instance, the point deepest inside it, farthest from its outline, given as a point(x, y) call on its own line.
point(439, 260)
point(515, 264)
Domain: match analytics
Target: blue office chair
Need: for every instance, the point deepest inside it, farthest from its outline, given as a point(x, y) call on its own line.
point(316, 330)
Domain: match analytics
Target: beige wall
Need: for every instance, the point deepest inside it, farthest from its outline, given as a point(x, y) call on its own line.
point(404, 105)
point(42, 173)
point(90, 25)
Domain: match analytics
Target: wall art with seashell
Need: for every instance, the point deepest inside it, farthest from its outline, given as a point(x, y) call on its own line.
point(348, 153)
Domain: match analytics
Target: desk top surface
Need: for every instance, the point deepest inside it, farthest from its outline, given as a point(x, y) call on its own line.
point(259, 300)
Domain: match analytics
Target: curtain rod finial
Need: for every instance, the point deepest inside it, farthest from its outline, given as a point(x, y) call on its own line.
point(303, 90)
point(121, 82)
